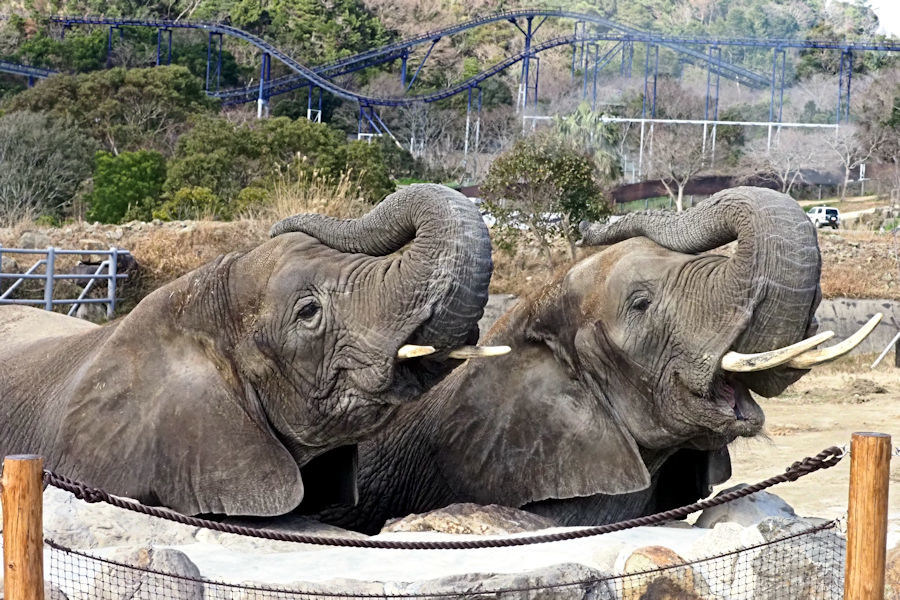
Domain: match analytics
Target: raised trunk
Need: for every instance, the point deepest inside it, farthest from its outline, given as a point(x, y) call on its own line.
point(772, 280)
point(443, 276)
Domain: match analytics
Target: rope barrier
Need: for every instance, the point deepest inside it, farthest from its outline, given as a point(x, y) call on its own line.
point(823, 460)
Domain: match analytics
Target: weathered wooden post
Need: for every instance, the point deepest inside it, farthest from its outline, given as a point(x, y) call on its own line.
point(870, 461)
point(21, 488)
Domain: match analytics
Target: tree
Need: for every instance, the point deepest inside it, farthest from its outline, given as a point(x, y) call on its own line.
point(677, 155)
point(852, 148)
point(42, 163)
point(543, 188)
point(123, 109)
point(784, 162)
point(126, 186)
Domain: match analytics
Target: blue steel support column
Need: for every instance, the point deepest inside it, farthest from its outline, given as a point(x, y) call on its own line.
point(169, 60)
point(596, 68)
point(845, 74)
point(403, 58)
point(31, 81)
point(158, 44)
point(655, 78)
point(208, 57)
point(262, 101)
point(576, 44)
point(109, 47)
point(537, 77)
point(422, 64)
point(781, 87)
point(627, 58)
point(527, 54)
point(772, 85)
point(715, 53)
point(646, 80)
point(219, 65)
point(592, 47)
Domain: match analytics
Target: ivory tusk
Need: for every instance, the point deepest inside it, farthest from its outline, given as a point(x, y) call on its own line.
point(812, 358)
point(464, 352)
point(745, 363)
point(412, 351)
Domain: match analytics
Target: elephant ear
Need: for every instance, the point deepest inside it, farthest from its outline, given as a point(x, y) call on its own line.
point(540, 436)
point(178, 434)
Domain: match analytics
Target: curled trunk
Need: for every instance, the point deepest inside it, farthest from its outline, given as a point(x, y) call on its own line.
point(443, 274)
point(772, 279)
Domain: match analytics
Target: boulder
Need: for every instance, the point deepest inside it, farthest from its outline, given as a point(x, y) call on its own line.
point(802, 568)
point(77, 524)
point(468, 518)
point(34, 239)
point(136, 581)
point(746, 511)
point(660, 574)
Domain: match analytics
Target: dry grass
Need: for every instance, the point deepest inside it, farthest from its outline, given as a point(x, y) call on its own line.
point(313, 194)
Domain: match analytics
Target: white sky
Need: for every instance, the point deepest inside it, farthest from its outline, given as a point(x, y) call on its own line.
point(888, 12)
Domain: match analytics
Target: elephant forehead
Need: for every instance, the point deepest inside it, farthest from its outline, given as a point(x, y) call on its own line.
point(602, 280)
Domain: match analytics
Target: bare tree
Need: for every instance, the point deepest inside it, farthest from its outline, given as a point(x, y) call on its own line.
point(852, 147)
point(677, 155)
point(784, 162)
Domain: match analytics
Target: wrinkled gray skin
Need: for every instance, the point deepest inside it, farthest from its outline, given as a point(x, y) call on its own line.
point(611, 404)
point(214, 392)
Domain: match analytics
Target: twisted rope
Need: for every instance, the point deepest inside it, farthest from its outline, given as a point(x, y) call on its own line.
point(823, 460)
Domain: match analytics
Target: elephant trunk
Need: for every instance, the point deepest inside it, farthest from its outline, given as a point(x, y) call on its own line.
point(443, 274)
point(772, 279)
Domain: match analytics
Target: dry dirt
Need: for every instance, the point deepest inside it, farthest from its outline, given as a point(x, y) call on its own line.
point(824, 409)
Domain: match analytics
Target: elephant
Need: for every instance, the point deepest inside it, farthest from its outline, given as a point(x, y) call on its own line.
point(243, 387)
point(629, 374)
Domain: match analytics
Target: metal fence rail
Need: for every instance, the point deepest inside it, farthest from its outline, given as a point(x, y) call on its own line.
point(105, 271)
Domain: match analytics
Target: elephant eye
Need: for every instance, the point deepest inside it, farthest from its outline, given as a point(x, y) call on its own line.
point(641, 304)
point(308, 310)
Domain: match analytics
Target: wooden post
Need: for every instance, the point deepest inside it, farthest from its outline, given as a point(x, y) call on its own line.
point(21, 487)
point(870, 461)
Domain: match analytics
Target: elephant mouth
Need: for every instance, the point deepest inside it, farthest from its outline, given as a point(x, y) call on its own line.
point(725, 409)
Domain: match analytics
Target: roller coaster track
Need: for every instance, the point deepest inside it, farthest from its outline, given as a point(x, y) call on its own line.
point(321, 75)
point(26, 70)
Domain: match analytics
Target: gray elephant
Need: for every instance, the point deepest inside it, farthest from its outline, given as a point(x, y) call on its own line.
point(242, 387)
point(629, 375)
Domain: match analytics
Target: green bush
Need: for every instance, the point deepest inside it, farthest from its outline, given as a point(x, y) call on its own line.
point(192, 203)
point(128, 185)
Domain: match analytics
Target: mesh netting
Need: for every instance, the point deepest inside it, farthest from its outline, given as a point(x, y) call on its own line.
point(803, 562)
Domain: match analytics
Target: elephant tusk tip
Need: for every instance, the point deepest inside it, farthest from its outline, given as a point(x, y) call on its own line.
point(413, 351)
point(746, 363)
point(812, 358)
point(466, 352)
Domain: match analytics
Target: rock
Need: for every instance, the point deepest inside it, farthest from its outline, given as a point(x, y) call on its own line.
point(559, 582)
point(802, 568)
point(77, 524)
point(746, 511)
point(115, 582)
point(892, 575)
point(34, 239)
point(9, 265)
point(660, 574)
point(468, 518)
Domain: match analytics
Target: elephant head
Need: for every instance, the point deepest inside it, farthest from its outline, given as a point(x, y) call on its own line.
point(216, 391)
point(642, 351)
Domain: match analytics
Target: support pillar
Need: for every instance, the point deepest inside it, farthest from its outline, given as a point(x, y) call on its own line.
point(870, 465)
point(21, 488)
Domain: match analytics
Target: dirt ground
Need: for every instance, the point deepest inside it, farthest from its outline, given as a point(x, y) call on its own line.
point(824, 409)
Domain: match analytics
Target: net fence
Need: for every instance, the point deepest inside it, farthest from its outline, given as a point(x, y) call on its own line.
point(800, 561)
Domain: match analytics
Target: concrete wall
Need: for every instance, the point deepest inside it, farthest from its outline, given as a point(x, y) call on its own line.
point(841, 315)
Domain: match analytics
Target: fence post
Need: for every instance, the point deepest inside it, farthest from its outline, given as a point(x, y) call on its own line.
point(870, 461)
point(111, 284)
point(48, 285)
point(23, 536)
